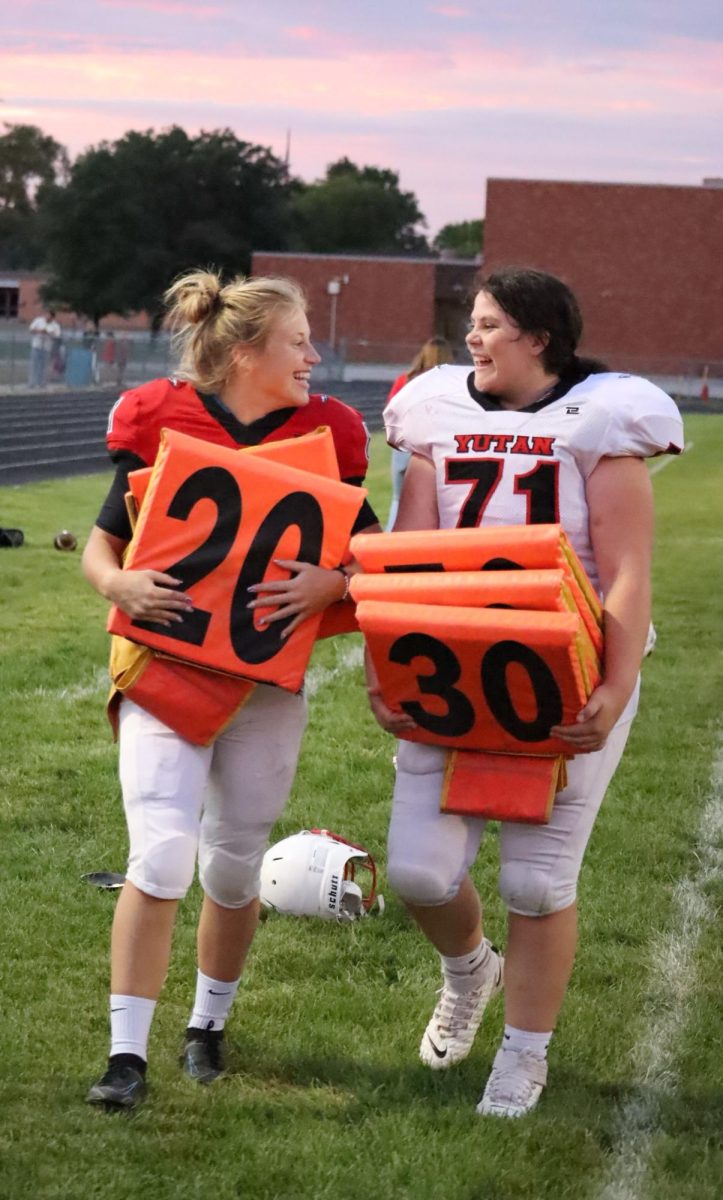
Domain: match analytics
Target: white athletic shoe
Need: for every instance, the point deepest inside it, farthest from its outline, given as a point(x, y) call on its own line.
point(450, 1033)
point(515, 1085)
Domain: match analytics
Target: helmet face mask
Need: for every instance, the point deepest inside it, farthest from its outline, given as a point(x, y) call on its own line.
point(312, 874)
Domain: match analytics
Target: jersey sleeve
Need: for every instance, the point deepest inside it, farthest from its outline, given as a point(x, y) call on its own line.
point(633, 418)
point(351, 440)
point(125, 424)
point(412, 414)
point(113, 516)
point(136, 418)
point(651, 423)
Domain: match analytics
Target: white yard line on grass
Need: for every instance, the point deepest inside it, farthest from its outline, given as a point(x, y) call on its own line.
point(99, 681)
point(318, 677)
point(672, 983)
point(665, 462)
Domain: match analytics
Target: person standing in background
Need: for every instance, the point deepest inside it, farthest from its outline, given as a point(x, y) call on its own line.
point(122, 354)
point(57, 358)
point(90, 343)
point(434, 353)
point(43, 332)
point(108, 357)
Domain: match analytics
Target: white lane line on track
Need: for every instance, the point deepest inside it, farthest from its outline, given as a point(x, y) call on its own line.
point(669, 458)
point(672, 983)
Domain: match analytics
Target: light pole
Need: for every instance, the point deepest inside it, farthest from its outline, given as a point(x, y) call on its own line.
point(333, 288)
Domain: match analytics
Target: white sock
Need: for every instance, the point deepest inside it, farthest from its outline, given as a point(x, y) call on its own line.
point(462, 973)
point(130, 1024)
point(523, 1039)
point(212, 1005)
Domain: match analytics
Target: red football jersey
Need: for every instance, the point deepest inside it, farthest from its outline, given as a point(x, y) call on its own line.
point(137, 418)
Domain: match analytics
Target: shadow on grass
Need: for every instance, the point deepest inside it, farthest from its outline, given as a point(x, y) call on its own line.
point(369, 1085)
point(572, 1095)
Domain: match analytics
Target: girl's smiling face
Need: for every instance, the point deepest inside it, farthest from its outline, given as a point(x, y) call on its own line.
point(506, 361)
point(279, 373)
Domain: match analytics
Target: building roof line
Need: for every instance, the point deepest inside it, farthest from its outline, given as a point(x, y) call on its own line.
point(433, 260)
point(691, 187)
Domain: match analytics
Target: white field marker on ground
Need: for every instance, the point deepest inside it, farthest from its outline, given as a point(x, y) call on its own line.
point(669, 458)
point(93, 685)
point(672, 983)
point(99, 682)
point(349, 658)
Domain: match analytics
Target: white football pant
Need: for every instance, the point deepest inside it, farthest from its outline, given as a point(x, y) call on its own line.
point(430, 851)
point(217, 802)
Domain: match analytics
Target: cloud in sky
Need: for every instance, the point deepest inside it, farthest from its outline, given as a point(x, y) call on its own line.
point(446, 93)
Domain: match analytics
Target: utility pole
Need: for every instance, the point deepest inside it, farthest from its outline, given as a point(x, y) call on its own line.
point(333, 288)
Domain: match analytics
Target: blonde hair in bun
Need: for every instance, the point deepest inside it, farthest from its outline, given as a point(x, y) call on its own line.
point(209, 319)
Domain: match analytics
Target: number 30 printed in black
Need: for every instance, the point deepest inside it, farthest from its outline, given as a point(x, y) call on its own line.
point(460, 716)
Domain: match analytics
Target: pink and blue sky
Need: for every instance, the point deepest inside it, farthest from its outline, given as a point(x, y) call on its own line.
point(447, 94)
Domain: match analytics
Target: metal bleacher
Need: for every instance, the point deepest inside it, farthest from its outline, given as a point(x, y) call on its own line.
point(47, 435)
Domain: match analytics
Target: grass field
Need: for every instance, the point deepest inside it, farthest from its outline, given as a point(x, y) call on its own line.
point(326, 1097)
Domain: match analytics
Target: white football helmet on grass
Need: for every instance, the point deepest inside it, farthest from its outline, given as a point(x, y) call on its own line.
point(313, 874)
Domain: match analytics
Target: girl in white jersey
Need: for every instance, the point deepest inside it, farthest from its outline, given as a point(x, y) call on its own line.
point(529, 390)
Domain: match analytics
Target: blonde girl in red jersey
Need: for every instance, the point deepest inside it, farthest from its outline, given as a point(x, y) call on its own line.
point(245, 377)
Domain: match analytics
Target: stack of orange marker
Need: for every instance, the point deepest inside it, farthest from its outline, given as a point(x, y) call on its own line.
point(487, 638)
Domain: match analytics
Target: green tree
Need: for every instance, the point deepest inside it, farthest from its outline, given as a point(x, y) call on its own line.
point(138, 211)
point(359, 210)
point(30, 162)
point(465, 238)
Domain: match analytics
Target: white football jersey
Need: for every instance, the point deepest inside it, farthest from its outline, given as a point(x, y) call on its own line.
point(495, 466)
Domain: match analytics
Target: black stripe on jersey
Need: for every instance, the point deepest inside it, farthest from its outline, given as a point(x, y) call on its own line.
point(244, 435)
point(113, 516)
point(366, 515)
point(493, 403)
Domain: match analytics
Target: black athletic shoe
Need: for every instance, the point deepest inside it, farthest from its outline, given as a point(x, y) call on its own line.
point(123, 1085)
point(202, 1057)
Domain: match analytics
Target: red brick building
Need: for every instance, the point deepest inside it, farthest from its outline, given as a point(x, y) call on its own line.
point(378, 309)
point(646, 262)
point(20, 301)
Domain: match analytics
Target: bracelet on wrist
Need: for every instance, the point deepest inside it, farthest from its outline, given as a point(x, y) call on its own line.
point(347, 583)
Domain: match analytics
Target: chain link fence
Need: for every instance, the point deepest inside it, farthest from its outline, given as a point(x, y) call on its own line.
point(119, 359)
point(78, 360)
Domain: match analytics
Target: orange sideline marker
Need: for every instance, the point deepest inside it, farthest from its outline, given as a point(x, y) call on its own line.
point(544, 591)
point(488, 548)
point(515, 648)
point(478, 679)
point(197, 703)
point(502, 787)
point(311, 452)
point(216, 518)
